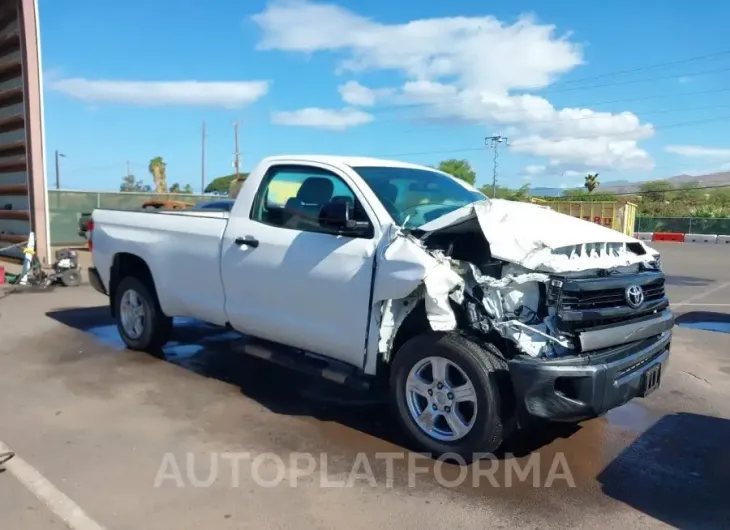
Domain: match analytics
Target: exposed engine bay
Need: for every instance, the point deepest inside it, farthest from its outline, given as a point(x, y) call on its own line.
point(526, 305)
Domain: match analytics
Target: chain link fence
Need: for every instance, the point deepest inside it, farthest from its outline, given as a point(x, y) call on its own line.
point(65, 208)
point(684, 225)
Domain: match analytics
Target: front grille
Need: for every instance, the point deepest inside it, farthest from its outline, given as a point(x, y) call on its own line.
point(607, 298)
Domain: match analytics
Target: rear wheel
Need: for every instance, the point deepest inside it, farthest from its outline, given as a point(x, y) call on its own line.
point(452, 395)
point(140, 320)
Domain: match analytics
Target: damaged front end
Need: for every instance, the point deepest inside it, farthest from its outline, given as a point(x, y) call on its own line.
point(498, 268)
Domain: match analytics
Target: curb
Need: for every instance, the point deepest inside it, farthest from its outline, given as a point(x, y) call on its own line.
point(676, 237)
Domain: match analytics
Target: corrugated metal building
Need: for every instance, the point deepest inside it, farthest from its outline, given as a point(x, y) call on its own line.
point(23, 192)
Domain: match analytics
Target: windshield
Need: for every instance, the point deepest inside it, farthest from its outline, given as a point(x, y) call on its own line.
point(416, 195)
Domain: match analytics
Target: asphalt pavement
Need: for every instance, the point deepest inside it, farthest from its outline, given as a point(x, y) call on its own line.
point(204, 437)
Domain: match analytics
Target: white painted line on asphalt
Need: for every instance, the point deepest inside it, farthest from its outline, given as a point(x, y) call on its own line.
point(72, 515)
point(702, 294)
point(700, 304)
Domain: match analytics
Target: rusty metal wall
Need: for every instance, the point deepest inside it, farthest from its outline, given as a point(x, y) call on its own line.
point(23, 192)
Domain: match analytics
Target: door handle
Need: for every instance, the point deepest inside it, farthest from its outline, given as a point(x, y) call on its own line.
point(248, 241)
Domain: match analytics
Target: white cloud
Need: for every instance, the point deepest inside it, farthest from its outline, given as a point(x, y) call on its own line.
point(467, 68)
point(697, 151)
point(353, 93)
point(534, 170)
point(483, 50)
point(228, 94)
point(331, 119)
point(591, 154)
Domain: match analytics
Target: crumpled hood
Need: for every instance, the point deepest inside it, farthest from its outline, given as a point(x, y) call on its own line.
point(539, 238)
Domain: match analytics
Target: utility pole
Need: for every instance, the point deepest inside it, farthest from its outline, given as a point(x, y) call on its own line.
point(236, 162)
point(58, 175)
point(494, 142)
point(202, 163)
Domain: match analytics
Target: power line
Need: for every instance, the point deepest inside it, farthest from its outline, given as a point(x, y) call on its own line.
point(440, 122)
point(633, 81)
point(459, 98)
point(647, 67)
point(657, 96)
point(598, 104)
point(546, 142)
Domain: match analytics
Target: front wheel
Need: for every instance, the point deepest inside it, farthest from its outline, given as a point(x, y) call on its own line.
point(452, 395)
point(140, 320)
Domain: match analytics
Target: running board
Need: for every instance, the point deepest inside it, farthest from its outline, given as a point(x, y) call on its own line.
point(307, 363)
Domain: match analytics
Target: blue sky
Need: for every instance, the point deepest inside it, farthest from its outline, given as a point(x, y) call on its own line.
point(408, 80)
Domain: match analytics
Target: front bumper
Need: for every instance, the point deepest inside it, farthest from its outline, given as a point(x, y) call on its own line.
point(578, 388)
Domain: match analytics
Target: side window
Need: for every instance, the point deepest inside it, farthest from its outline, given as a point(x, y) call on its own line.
point(293, 196)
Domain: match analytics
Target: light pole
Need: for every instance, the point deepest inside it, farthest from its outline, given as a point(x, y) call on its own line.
point(58, 176)
point(494, 142)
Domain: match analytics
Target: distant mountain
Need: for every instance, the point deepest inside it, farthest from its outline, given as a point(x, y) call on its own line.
point(625, 186)
point(547, 192)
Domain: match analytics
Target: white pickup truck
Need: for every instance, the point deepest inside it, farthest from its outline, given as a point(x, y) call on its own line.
point(472, 315)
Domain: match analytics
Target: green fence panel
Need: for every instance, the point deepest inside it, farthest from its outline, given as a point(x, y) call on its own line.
point(66, 207)
point(683, 225)
point(706, 225)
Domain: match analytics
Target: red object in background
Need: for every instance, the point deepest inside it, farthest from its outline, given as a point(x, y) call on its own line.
point(668, 236)
point(90, 234)
point(2, 275)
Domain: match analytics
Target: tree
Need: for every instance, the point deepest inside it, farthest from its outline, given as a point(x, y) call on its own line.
point(130, 183)
point(461, 169)
point(583, 195)
point(222, 185)
point(591, 182)
point(689, 195)
point(175, 188)
point(158, 170)
point(720, 198)
point(655, 191)
point(506, 193)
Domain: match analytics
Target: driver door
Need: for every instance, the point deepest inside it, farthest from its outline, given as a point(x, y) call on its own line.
point(301, 285)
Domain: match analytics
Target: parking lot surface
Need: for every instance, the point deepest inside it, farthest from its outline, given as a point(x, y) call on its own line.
point(207, 438)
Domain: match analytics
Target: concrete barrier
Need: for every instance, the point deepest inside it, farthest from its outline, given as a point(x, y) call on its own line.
point(700, 238)
point(723, 240)
point(644, 236)
point(674, 237)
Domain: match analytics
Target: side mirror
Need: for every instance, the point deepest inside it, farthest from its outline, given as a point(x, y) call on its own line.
point(338, 216)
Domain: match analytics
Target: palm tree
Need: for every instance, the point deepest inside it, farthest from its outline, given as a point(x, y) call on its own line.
point(158, 169)
point(591, 182)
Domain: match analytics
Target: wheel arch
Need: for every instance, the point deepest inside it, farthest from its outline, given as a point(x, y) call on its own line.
point(126, 264)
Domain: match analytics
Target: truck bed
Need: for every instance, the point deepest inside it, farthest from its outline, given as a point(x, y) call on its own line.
point(166, 241)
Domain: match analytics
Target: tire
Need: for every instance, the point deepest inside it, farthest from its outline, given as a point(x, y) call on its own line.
point(71, 278)
point(156, 326)
point(494, 415)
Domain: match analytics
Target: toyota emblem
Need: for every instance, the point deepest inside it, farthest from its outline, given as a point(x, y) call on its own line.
point(634, 296)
